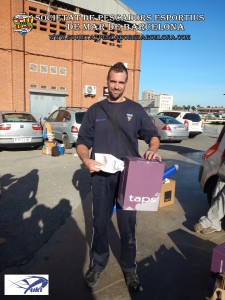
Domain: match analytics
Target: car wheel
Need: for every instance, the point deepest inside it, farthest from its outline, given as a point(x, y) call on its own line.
point(66, 141)
point(210, 188)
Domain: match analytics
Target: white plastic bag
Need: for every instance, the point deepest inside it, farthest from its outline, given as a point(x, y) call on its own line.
point(111, 164)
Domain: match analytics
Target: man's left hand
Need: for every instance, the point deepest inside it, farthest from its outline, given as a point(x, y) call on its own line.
point(151, 154)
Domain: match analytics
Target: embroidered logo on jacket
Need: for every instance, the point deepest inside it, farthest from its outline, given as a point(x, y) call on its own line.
point(129, 117)
point(100, 120)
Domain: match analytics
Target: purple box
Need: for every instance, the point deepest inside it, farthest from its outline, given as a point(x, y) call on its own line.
point(218, 259)
point(140, 184)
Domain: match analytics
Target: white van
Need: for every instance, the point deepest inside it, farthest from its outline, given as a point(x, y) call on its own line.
point(191, 119)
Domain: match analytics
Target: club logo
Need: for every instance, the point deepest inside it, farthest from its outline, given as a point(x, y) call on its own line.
point(23, 23)
point(26, 285)
point(129, 117)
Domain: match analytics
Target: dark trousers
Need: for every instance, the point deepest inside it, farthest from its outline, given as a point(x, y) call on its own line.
point(104, 190)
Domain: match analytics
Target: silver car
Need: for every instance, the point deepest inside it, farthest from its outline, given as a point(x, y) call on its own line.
point(170, 129)
point(65, 123)
point(191, 119)
point(210, 164)
point(19, 129)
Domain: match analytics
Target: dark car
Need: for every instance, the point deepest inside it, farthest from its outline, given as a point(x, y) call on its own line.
point(65, 123)
point(210, 164)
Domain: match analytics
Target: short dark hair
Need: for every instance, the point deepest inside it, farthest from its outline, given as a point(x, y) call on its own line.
point(118, 68)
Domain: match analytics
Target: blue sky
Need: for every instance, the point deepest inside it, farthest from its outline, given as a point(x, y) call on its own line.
point(192, 71)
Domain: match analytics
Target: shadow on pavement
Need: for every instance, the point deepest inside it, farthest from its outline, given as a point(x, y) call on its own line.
point(178, 149)
point(177, 272)
point(25, 229)
point(25, 234)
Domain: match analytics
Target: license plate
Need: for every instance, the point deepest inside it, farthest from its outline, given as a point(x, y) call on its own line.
point(179, 128)
point(22, 140)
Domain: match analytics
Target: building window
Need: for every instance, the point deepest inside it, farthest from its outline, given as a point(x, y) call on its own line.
point(33, 67)
point(62, 71)
point(43, 23)
point(62, 88)
point(32, 8)
point(53, 70)
point(43, 69)
point(44, 87)
point(53, 88)
point(33, 86)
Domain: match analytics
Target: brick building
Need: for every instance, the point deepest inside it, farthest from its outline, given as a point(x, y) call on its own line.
point(39, 74)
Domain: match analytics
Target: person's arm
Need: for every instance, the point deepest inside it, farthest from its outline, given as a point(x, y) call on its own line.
point(91, 164)
point(153, 147)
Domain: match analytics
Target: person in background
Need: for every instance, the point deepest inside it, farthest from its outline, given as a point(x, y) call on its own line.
point(97, 132)
point(212, 221)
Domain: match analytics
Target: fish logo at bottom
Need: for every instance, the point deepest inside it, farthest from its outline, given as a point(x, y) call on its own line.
point(26, 285)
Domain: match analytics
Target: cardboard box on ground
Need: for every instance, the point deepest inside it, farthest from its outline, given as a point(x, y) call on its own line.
point(167, 194)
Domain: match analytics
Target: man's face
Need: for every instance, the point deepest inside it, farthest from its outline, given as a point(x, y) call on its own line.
point(116, 85)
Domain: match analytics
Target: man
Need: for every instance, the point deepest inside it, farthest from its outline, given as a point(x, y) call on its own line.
point(97, 132)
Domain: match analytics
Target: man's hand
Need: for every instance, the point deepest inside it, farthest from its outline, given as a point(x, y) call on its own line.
point(151, 154)
point(92, 165)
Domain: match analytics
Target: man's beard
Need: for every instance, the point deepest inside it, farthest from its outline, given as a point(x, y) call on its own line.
point(114, 98)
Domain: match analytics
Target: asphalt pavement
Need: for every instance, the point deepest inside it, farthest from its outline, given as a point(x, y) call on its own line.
point(46, 228)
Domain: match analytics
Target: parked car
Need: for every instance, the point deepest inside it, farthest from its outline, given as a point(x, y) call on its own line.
point(65, 123)
point(19, 129)
point(170, 129)
point(210, 164)
point(191, 119)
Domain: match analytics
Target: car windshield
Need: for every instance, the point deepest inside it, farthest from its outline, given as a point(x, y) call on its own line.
point(169, 120)
point(192, 117)
point(172, 114)
point(17, 117)
point(79, 117)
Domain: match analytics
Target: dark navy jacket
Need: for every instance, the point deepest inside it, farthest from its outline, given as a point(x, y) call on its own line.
point(98, 133)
